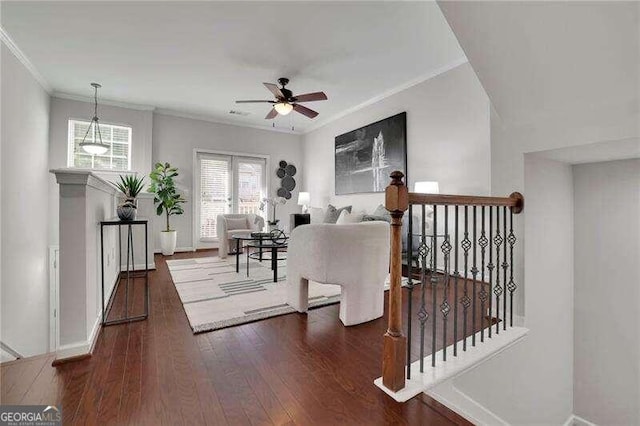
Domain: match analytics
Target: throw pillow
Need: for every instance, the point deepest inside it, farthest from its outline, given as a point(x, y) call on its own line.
point(317, 214)
point(382, 212)
point(236, 223)
point(371, 218)
point(332, 213)
point(346, 218)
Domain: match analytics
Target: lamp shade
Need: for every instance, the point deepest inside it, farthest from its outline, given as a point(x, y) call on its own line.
point(426, 187)
point(94, 148)
point(283, 108)
point(304, 199)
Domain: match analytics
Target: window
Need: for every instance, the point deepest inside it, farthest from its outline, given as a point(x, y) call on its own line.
point(226, 184)
point(118, 157)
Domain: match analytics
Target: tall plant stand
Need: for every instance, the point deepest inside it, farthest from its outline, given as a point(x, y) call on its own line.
point(129, 275)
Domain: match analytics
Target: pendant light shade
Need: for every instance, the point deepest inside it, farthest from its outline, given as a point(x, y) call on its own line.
point(94, 146)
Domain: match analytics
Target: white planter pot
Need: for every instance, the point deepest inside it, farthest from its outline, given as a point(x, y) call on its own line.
point(168, 242)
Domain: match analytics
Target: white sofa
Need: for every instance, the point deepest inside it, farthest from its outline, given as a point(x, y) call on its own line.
point(228, 225)
point(353, 256)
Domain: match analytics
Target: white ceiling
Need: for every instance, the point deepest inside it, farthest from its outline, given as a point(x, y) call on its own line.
point(198, 57)
point(538, 60)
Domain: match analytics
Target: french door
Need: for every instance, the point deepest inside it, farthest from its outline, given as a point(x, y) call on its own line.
point(226, 184)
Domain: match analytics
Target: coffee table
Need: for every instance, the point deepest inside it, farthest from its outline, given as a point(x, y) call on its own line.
point(253, 236)
point(275, 247)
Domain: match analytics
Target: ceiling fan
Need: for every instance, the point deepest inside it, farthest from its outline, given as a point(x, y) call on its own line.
point(286, 102)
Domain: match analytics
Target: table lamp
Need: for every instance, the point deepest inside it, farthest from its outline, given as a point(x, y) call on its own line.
point(304, 199)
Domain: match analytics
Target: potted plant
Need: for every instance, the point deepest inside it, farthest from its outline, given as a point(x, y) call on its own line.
point(167, 200)
point(130, 186)
point(274, 202)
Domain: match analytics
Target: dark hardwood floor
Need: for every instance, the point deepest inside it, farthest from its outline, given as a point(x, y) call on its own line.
point(292, 369)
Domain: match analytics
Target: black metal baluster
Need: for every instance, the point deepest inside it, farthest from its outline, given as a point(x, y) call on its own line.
point(505, 265)
point(423, 315)
point(434, 283)
point(456, 275)
point(490, 267)
point(465, 301)
point(483, 293)
point(409, 288)
point(512, 285)
point(445, 308)
point(497, 240)
point(474, 273)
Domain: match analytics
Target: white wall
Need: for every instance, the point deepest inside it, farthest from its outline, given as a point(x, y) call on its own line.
point(25, 219)
point(62, 110)
point(607, 296)
point(509, 384)
point(174, 141)
point(448, 139)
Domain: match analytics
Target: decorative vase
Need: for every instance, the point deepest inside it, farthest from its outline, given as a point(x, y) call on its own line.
point(127, 210)
point(168, 242)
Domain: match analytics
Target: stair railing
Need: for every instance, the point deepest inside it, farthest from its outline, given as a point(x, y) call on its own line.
point(477, 237)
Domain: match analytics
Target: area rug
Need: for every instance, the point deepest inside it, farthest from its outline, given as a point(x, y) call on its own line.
point(215, 296)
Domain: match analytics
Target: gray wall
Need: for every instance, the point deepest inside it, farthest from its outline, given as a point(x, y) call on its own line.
point(607, 294)
point(447, 136)
point(24, 169)
point(175, 138)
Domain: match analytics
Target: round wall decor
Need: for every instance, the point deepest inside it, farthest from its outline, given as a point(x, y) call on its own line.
point(288, 183)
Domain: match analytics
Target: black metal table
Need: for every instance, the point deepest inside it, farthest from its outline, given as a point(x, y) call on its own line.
point(272, 246)
point(130, 272)
point(253, 236)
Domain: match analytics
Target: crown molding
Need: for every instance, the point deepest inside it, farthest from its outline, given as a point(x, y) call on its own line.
point(217, 120)
point(388, 93)
point(101, 101)
point(20, 55)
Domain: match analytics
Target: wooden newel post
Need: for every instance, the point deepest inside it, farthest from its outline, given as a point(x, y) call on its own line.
point(394, 352)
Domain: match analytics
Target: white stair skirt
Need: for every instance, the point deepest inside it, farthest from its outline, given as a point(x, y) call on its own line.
point(445, 370)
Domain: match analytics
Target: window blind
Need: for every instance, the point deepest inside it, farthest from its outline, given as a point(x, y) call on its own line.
point(214, 193)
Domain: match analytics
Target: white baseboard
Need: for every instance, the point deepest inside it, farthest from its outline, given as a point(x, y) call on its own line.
point(452, 397)
point(574, 420)
point(81, 348)
point(138, 266)
point(454, 366)
point(178, 250)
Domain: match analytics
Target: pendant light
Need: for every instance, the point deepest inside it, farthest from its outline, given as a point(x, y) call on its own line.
point(95, 146)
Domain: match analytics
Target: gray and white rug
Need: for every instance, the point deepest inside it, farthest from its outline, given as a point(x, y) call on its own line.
point(215, 296)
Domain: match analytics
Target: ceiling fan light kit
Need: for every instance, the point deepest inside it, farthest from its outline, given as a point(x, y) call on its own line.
point(283, 108)
point(285, 101)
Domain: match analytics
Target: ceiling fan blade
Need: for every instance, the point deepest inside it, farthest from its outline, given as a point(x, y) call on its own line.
point(272, 114)
point(273, 88)
point(254, 102)
point(310, 97)
point(305, 111)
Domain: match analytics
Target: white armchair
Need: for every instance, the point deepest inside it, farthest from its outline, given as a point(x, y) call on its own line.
point(353, 256)
point(228, 225)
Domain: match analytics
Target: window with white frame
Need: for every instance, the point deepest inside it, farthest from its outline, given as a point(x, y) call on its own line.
point(117, 157)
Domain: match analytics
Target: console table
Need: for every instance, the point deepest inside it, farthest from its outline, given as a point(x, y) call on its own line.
point(129, 274)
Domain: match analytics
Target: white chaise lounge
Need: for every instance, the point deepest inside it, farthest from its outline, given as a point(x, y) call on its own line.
point(353, 256)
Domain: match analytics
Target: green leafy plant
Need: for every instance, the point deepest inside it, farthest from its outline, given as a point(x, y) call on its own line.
point(167, 198)
point(130, 186)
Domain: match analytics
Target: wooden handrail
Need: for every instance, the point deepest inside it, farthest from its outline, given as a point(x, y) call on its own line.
point(397, 201)
point(515, 201)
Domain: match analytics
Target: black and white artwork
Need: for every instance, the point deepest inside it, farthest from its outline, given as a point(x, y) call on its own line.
point(365, 157)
